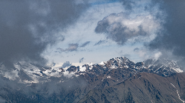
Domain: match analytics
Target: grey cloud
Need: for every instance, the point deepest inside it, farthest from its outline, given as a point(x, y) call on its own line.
point(71, 47)
point(127, 55)
point(2, 100)
point(100, 42)
point(81, 60)
point(128, 4)
point(27, 27)
point(66, 64)
point(116, 31)
point(85, 44)
point(24, 76)
point(136, 50)
point(171, 38)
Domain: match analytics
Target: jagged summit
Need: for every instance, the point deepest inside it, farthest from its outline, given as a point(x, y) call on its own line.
point(120, 66)
point(163, 68)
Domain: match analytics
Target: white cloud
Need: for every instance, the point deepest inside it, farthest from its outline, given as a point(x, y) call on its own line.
point(157, 55)
point(129, 26)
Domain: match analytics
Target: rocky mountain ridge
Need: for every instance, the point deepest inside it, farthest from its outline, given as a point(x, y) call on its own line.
point(87, 83)
point(164, 68)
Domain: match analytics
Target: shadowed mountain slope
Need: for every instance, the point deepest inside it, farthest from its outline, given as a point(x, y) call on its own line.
point(141, 88)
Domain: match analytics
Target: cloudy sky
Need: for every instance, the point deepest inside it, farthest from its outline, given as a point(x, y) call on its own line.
point(84, 31)
point(104, 31)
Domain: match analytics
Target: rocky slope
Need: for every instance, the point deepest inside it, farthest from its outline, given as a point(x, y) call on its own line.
point(141, 88)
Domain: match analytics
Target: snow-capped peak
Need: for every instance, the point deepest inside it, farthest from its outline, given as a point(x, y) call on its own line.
point(34, 73)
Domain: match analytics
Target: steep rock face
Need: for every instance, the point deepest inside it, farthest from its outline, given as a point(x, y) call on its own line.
point(141, 88)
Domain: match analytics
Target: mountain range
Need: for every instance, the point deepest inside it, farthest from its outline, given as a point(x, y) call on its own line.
point(118, 80)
